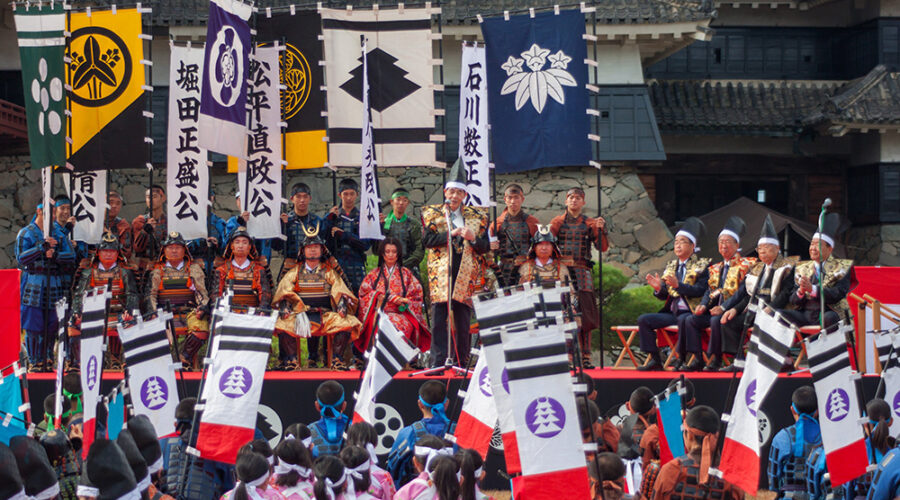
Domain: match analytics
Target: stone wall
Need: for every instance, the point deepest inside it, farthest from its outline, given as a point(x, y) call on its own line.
point(875, 245)
point(639, 241)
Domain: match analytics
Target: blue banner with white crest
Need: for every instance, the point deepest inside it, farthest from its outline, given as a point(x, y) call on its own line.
point(537, 81)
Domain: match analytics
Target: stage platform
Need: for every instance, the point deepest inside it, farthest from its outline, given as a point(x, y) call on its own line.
point(289, 397)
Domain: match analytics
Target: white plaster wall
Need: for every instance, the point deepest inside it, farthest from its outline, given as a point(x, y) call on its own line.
point(890, 146)
point(9, 47)
point(619, 65)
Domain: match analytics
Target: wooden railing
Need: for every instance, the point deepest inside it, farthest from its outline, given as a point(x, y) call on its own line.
point(880, 312)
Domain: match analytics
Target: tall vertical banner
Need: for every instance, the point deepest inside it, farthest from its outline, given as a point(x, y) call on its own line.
point(187, 175)
point(370, 203)
point(473, 125)
point(843, 437)
point(401, 76)
point(107, 97)
point(224, 84)
point(890, 375)
point(233, 384)
point(88, 190)
point(151, 379)
point(40, 29)
point(93, 328)
point(302, 96)
point(769, 344)
point(538, 96)
point(545, 414)
point(260, 175)
point(391, 352)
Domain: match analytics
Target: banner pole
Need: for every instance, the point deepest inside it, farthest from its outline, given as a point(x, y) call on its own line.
point(599, 205)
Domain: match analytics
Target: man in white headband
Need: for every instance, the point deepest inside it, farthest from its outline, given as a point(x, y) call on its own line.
point(769, 281)
point(725, 277)
point(682, 286)
point(809, 282)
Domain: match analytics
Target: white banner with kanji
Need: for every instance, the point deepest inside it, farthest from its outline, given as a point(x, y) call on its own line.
point(88, 204)
point(473, 125)
point(259, 178)
point(187, 175)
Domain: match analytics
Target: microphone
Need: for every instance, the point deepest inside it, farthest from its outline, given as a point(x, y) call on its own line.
point(826, 203)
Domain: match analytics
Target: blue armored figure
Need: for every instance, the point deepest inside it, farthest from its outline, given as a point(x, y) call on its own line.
point(343, 237)
point(46, 265)
point(886, 478)
point(293, 226)
point(792, 446)
point(327, 433)
point(432, 403)
point(207, 249)
point(878, 443)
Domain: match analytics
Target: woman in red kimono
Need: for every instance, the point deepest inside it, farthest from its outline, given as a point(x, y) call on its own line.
point(396, 289)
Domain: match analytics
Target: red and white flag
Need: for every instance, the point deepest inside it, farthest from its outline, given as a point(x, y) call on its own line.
point(548, 432)
point(151, 373)
point(890, 373)
point(497, 311)
point(93, 330)
point(233, 384)
point(839, 415)
point(740, 454)
point(479, 413)
point(388, 356)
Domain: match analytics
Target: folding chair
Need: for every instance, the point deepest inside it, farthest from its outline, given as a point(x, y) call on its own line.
point(668, 336)
point(799, 335)
point(626, 347)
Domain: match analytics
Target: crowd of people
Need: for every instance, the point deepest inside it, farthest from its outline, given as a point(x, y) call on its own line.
point(322, 289)
point(333, 458)
point(714, 302)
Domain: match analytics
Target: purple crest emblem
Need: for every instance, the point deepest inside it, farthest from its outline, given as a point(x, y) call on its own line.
point(750, 398)
point(504, 379)
point(154, 393)
point(484, 382)
point(545, 417)
point(896, 403)
point(92, 372)
point(837, 404)
point(235, 382)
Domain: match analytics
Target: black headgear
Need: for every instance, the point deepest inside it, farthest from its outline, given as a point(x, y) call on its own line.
point(457, 177)
point(144, 435)
point(109, 471)
point(108, 242)
point(175, 238)
point(311, 237)
point(830, 229)
point(692, 229)
point(542, 235)
point(34, 468)
point(57, 446)
point(11, 484)
point(346, 184)
point(126, 443)
point(768, 235)
point(300, 187)
point(734, 227)
point(238, 233)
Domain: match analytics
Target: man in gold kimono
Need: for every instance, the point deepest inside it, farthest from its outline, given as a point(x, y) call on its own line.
point(682, 286)
point(810, 286)
point(453, 275)
point(315, 302)
point(178, 285)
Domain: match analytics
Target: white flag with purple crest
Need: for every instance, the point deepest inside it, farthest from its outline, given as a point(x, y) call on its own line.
point(151, 373)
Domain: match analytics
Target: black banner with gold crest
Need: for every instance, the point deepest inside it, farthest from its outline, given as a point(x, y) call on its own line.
point(302, 100)
point(106, 75)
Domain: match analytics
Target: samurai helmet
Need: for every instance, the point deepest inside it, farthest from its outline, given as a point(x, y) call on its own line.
point(241, 232)
point(543, 235)
point(175, 238)
point(311, 237)
point(108, 242)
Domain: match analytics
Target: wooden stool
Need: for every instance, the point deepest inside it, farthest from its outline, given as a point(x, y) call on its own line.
point(626, 347)
point(799, 335)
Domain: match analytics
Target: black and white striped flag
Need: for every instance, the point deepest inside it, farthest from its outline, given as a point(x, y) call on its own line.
point(542, 396)
point(388, 356)
point(233, 383)
point(151, 372)
point(93, 330)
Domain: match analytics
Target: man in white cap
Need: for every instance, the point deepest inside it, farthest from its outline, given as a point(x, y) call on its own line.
point(768, 283)
point(452, 275)
point(835, 286)
point(682, 286)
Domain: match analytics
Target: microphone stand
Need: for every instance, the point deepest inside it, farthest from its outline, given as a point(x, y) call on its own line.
point(821, 268)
